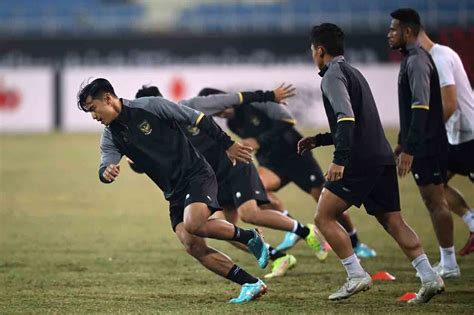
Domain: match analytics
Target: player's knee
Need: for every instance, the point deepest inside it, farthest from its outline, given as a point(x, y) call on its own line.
point(435, 203)
point(324, 215)
point(320, 219)
point(387, 223)
point(248, 212)
point(194, 249)
point(276, 204)
point(192, 227)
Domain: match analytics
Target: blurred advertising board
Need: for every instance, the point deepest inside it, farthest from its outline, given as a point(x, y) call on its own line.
point(26, 99)
point(185, 81)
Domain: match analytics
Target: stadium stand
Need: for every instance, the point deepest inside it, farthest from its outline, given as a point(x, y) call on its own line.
point(50, 17)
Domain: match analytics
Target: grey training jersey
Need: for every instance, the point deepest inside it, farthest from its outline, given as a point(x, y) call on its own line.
point(347, 97)
point(147, 130)
point(422, 131)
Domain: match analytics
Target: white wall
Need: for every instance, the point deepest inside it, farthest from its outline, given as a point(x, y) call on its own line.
point(27, 95)
point(26, 99)
point(179, 82)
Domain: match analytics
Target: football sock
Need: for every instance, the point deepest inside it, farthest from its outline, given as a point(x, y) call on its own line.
point(423, 266)
point(240, 276)
point(468, 218)
point(354, 238)
point(300, 230)
point(242, 236)
point(353, 267)
point(274, 254)
point(448, 257)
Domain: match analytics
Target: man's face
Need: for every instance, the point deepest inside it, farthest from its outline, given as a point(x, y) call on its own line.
point(395, 36)
point(227, 113)
point(316, 52)
point(101, 109)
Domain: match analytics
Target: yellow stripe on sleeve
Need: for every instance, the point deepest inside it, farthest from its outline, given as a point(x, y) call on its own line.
point(427, 107)
point(198, 120)
point(290, 121)
point(241, 98)
point(346, 119)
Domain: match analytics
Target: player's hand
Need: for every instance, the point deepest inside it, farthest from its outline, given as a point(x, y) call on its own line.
point(335, 172)
point(251, 142)
point(306, 144)
point(134, 166)
point(111, 172)
point(404, 162)
point(283, 92)
point(239, 152)
point(398, 149)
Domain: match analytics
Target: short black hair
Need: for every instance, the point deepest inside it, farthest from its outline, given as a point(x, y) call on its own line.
point(330, 36)
point(94, 89)
point(148, 91)
point(408, 17)
point(210, 91)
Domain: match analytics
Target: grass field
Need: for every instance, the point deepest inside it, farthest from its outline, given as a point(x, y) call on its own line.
point(69, 244)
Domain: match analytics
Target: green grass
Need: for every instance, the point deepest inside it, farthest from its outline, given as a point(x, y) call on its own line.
point(69, 244)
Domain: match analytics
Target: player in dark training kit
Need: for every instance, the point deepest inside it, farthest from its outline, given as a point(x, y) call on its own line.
point(363, 167)
point(147, 131)
point(422, 142)
point(269, 128)
point(239, 186)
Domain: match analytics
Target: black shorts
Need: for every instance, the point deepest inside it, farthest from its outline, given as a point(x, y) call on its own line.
point(375, 187)
point(429, 170)
point(241, 184)
point(201, 187)
point(461, 159)
point(303, 170)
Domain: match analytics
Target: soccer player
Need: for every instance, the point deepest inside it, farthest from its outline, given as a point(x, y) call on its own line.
point(458, 114)
point(269, 128)
point(363, 167)
point(422, 142)
point(146, 131)
point(239, 187)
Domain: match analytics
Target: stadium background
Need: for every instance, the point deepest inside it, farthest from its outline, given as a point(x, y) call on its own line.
point(68, 244)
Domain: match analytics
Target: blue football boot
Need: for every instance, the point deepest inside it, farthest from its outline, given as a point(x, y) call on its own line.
point(259, 249)
point(364, 251)
point(249, 292)
point(288, 242)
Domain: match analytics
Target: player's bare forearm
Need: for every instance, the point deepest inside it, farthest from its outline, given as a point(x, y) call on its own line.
point(449, 97)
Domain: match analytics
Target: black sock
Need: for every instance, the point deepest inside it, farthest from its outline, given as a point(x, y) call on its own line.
point(301, 230)
point(242, 236)
point(354, 238)
point(274, 254)
point(240, 276)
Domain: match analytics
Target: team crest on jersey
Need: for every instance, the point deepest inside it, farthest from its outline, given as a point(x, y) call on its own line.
point(145, 127)
point(193, 130)
point(255, 121)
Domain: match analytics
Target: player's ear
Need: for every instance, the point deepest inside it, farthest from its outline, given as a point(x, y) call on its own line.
point(107, 98)
point(322, 51)
point(406, 31)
